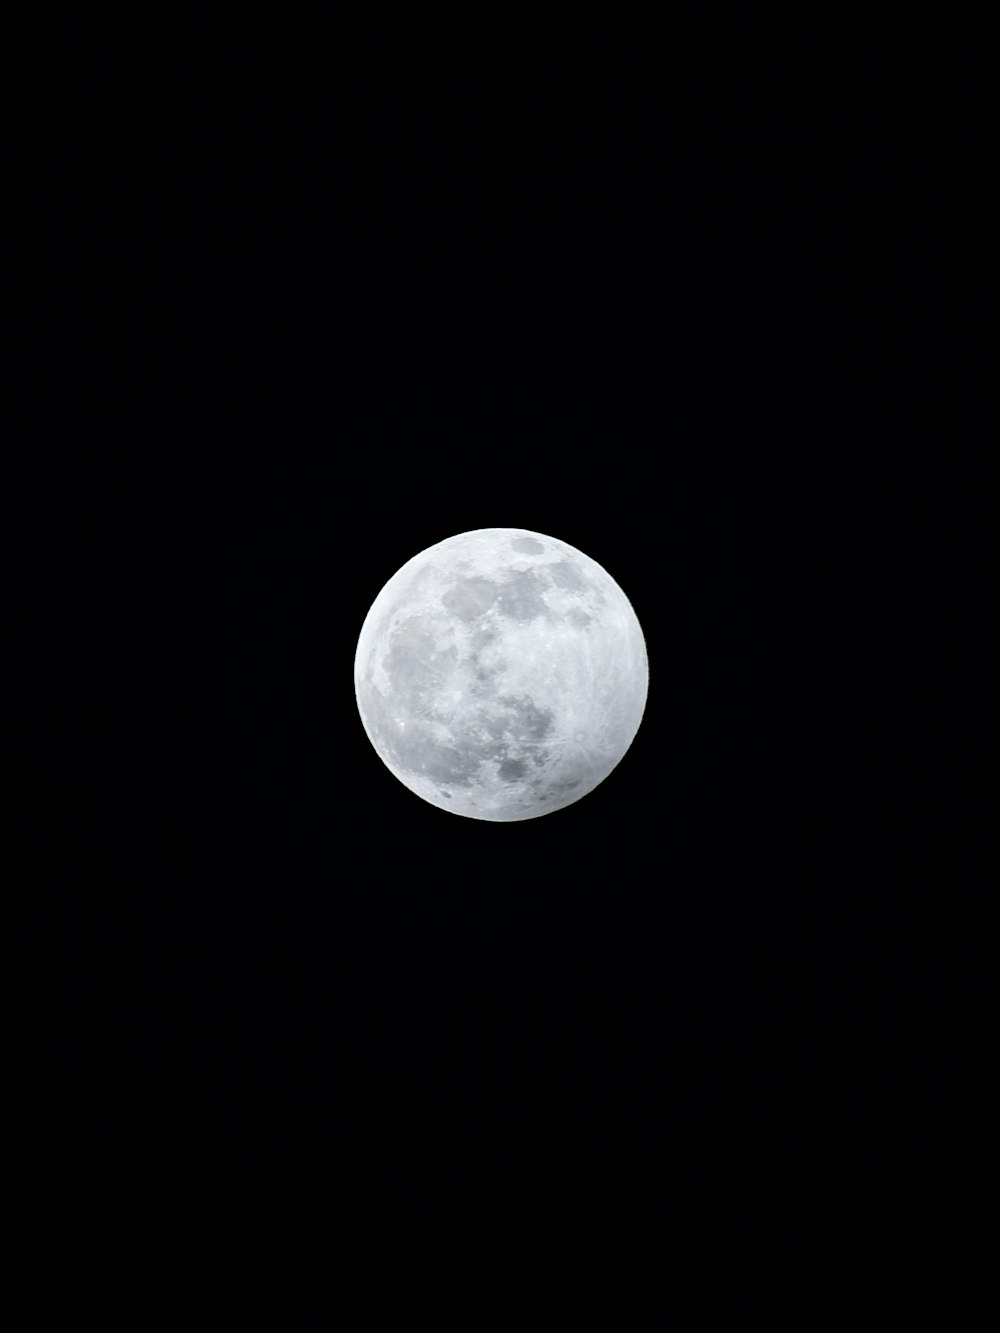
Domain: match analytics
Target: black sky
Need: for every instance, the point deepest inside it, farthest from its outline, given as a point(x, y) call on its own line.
point(312, 300)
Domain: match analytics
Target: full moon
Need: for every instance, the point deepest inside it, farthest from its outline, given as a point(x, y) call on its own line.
point(501, 674)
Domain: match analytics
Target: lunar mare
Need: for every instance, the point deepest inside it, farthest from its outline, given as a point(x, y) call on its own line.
point(501, 674)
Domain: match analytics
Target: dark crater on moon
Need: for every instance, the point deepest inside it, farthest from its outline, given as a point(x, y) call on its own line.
point(524, 722)
point(564, 574)
point(521, 597)
point(470, 598)
point(512, 769)
point(527, 546)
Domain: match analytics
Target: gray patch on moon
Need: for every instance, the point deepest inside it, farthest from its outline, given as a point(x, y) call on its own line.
point(526, 723)
point(578, 618)
point(470, 598)
point(414, 663)
point(567, 575)
point(521, 598)
point(418, 751)
point(512, 769)
point(527, 546)
point(481, 688)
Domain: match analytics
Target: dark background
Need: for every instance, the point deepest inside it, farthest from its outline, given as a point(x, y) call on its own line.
point(313, 299)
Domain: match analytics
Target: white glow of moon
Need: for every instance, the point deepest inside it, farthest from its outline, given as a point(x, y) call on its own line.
point(501, 674)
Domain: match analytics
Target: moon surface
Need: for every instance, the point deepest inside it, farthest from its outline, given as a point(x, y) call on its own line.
point(501, 674)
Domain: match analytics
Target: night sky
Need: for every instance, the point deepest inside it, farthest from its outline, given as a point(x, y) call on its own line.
point(313, 299)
